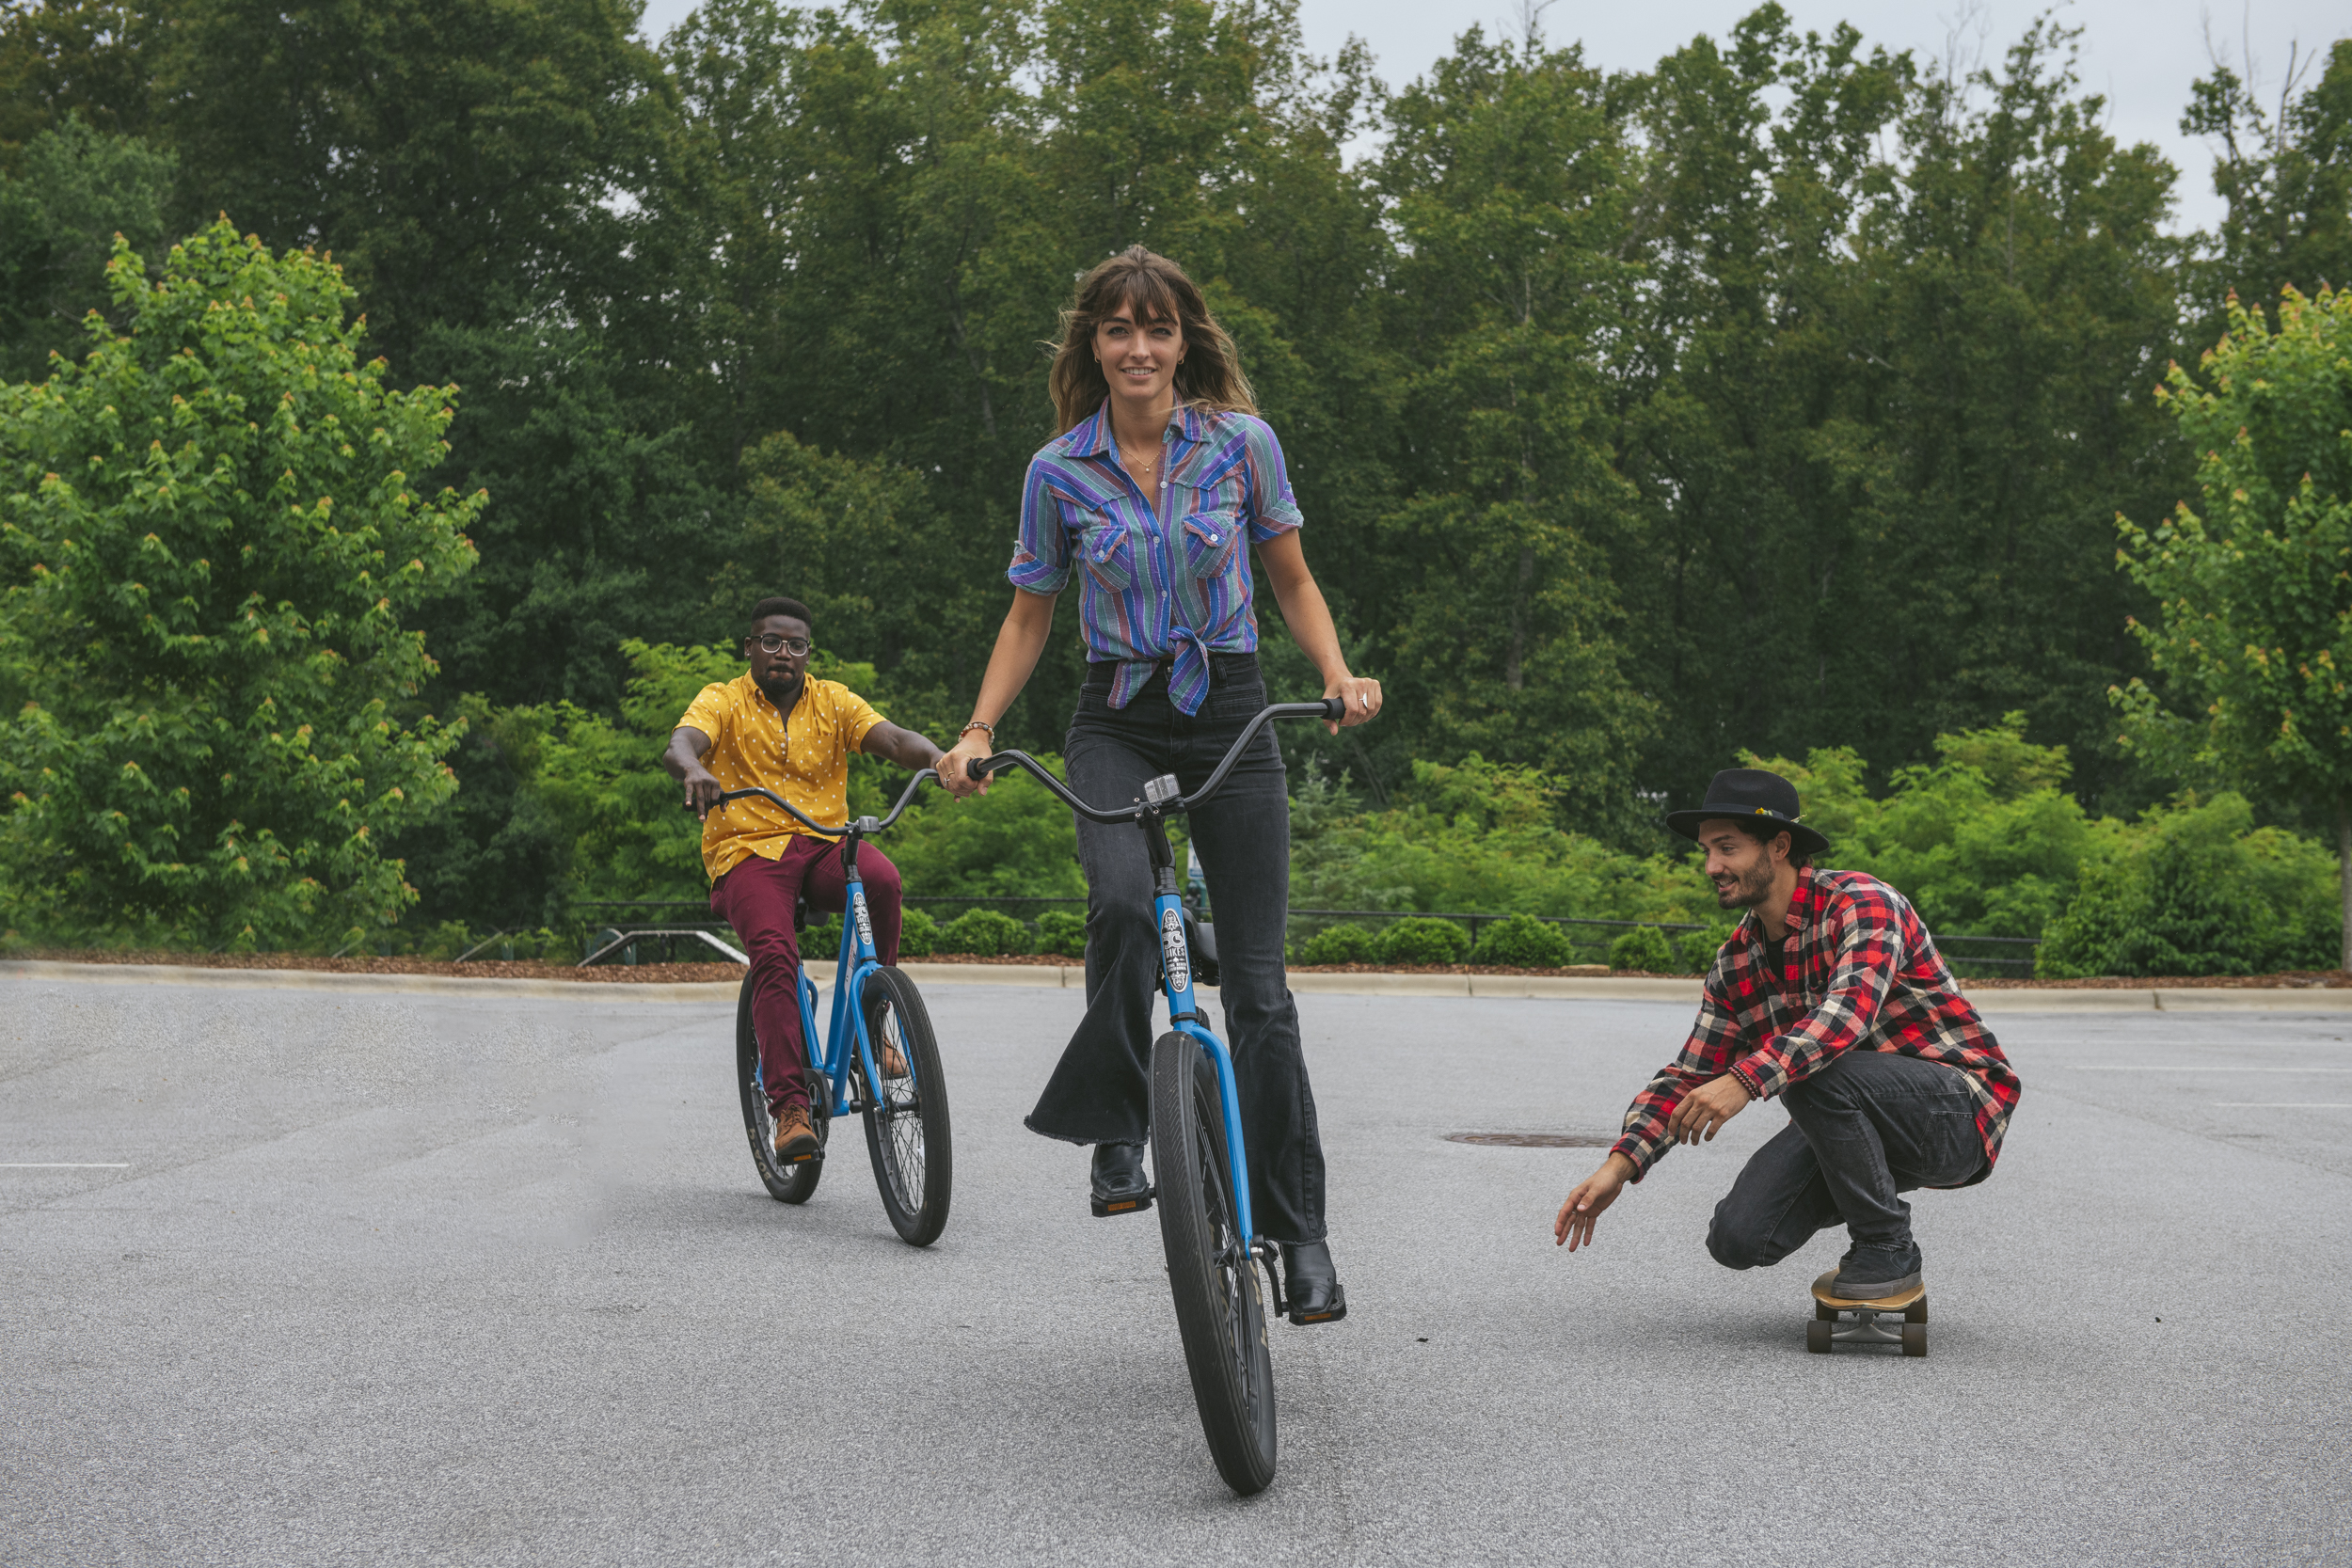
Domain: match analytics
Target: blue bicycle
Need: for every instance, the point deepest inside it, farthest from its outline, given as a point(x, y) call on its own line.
point(1213, 1249)
point(879, 1059)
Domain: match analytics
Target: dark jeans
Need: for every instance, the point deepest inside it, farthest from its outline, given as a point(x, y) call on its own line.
point(1867, 1127)
point(757, 897)
point(1100, 1091)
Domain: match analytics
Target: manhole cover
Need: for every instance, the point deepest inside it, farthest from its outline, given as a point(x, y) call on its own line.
point(1536, 1140)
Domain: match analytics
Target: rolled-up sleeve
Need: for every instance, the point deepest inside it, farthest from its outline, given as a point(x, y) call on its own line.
point(1273, 510)
point(1041, 552)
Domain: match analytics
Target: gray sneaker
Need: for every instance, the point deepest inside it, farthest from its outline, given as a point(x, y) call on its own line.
point(1873, 1274)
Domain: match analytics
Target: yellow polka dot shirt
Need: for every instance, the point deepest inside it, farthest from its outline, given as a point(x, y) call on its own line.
point(806, 762)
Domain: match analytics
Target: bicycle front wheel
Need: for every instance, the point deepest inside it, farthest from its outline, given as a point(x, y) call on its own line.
point(906, 1133)
point(1220, 1311)
point(785, 1184)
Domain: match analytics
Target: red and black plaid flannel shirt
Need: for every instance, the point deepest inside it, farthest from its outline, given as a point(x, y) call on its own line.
point(1856, 971)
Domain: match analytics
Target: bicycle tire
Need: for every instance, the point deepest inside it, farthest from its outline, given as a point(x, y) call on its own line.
point(907, 1135)
point(785, 1184)
point(1220, 1304)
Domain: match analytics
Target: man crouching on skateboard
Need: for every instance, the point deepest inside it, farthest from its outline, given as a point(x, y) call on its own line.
point(1848, 1013)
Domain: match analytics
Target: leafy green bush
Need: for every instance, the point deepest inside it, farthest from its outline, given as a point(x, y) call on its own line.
point(919, 934)
point(1694, 951)
point(984, 933)
point(1014, 841)
point(2200, 891)
point(1339, 945)
point(445, 941)
point(1424, 941)
point(1523, 942)
point(1062, 931)
point(820, 940)
point(1645, 948)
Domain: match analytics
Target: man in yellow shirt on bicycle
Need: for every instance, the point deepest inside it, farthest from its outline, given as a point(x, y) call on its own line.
point(774, 727)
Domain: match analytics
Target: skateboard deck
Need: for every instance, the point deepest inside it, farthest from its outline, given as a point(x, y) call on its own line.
point(1900, 1320)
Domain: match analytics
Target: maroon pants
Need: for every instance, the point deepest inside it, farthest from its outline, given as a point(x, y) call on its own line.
point(757, 897)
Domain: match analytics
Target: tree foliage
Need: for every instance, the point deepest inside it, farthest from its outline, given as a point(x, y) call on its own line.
point(213, 526)
point(2253, 628)
point(1776, 399)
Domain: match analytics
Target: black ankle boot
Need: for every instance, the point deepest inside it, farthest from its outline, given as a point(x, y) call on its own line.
point(1311, 1284)
point(1118, 1185)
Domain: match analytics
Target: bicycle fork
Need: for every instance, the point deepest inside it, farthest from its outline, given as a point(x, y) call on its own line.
point(1183, 1013)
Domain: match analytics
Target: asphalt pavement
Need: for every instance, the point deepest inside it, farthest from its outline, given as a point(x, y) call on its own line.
point(296, 1276)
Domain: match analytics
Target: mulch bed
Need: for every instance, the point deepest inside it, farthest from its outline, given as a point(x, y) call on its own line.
point(496, 969)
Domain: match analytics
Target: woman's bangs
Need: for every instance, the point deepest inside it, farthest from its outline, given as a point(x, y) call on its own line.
point(1148, 298)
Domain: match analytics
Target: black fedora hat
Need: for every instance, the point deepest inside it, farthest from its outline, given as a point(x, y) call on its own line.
point(1753, 795)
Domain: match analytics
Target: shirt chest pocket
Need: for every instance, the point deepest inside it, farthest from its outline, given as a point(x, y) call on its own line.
point(1107, 547)
point(1211, 543)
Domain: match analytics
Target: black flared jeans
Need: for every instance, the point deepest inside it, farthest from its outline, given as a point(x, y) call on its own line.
point(1100, 1092)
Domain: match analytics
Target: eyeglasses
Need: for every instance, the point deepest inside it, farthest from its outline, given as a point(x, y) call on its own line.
point(797, 646)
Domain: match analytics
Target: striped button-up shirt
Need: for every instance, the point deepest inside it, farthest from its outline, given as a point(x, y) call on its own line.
point(1163, 575)
point(1854, 970)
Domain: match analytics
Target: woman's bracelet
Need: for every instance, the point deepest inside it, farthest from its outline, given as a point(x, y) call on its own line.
point(979, 725)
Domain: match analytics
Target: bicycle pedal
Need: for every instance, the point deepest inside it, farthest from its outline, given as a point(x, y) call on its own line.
point(1136, 1204)
point(1337, 1310)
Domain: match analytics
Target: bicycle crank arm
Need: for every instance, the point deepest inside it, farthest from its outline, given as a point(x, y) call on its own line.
point(1264, 1253)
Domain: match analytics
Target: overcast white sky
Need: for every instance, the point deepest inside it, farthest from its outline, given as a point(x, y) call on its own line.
point(2141, 55)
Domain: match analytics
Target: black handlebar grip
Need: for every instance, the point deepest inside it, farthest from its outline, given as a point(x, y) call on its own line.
point(975, 769)
point(1335, 708)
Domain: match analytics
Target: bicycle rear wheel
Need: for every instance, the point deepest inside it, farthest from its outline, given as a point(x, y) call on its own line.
point(1220, 1311)
point(907, 1134)
point(785, 1184)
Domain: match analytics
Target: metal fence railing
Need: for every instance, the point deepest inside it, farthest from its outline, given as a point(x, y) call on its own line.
point(1589, 937)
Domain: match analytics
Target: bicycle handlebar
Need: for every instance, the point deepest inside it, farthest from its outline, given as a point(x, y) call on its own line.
point(1331, 709)
point(775, 799)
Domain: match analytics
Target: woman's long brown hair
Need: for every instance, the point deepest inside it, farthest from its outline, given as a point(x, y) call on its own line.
point(1153, 289)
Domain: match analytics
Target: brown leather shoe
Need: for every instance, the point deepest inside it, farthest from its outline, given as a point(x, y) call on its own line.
point(888, 1057)
point(796, 1140)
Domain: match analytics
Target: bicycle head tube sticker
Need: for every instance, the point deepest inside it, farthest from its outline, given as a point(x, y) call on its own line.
point(865, 925)
point(1172, 950)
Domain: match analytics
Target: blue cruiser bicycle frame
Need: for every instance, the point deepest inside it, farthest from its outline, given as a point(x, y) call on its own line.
point(856, 962)
point(1162, 799)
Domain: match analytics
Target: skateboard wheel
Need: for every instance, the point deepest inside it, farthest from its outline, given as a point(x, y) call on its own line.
point(1816, 1335)
point(1914, 1339)
point(1916, 1313)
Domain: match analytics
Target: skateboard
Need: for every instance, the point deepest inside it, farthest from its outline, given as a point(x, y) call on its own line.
point(1839, 1321)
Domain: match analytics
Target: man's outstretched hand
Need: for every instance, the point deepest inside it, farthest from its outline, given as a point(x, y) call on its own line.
point(702, 791)
point(1587, 1200)
point(1705, 1109)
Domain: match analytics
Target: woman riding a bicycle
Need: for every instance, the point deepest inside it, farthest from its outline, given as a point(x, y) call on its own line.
point(1162, 469)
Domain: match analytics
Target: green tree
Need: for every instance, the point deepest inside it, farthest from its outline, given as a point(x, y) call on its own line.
point(74, 189)
point(212, 532)
point(85, 58)
point(2287, 178)
point(2253, 634)
point(454, 155)
point(1507, 171)
point(1889, 388)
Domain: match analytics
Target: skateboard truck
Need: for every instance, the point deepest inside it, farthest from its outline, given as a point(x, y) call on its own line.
point(1900, 1320)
